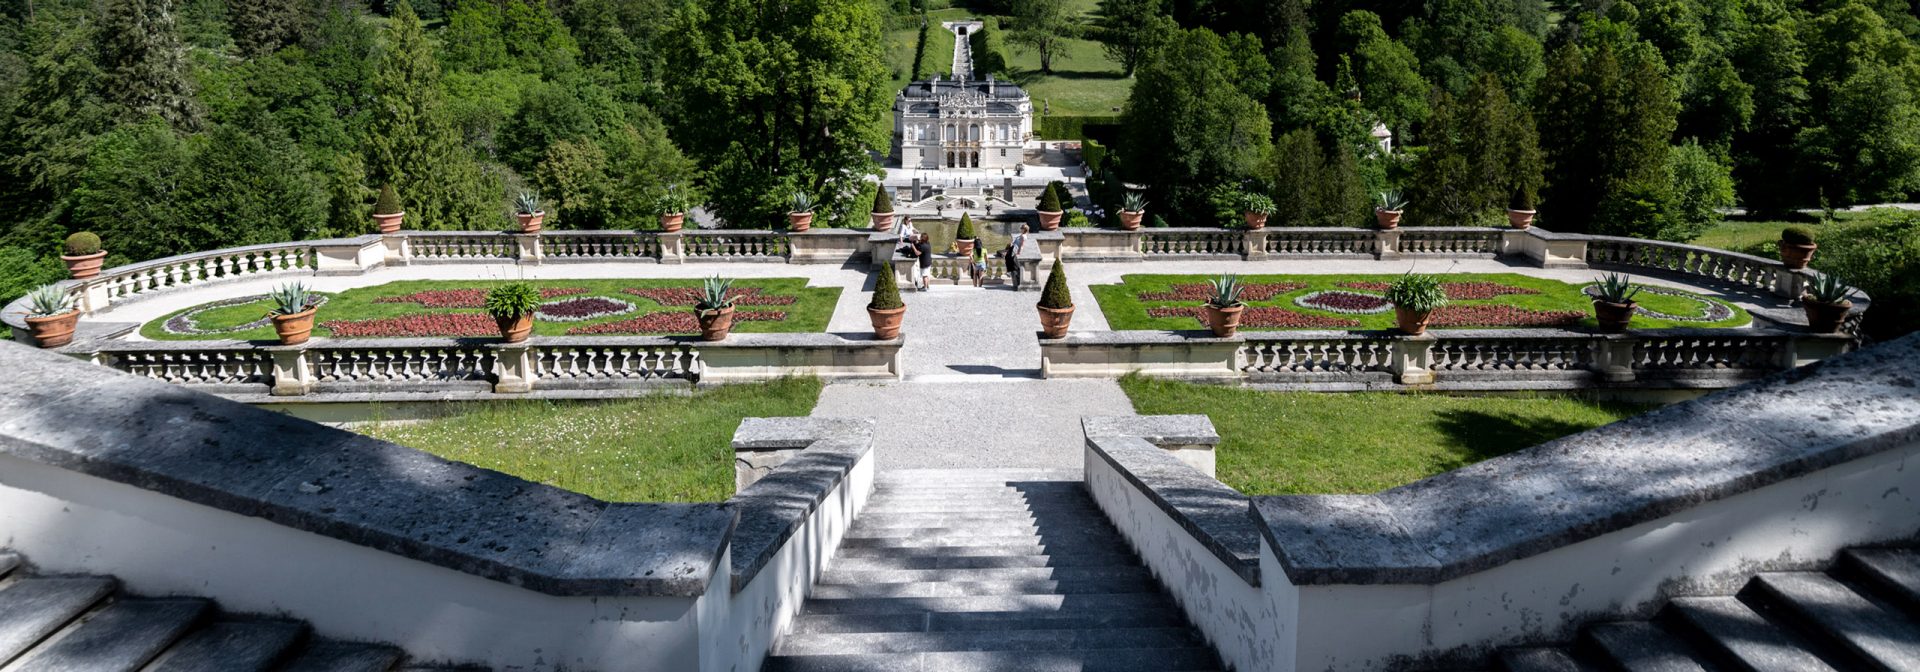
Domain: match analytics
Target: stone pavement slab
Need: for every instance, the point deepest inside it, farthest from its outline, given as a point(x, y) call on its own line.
point(980, 425)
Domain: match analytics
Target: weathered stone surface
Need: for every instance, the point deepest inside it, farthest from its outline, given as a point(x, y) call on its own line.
point(1160, 430)
point(774, 507)
point(1216, 515)
point(31, 609)
point(784, 433)
point(232, 645)
point(123, 636)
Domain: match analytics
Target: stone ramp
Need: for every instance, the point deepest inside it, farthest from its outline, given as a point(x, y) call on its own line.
point(85, 624)
point(1863, 614)
point(987, 570)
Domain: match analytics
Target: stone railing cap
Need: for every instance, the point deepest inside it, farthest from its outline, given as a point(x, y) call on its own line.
point(781, 433)
point(776, 506)
point(1213, 513)
point(1159, 430)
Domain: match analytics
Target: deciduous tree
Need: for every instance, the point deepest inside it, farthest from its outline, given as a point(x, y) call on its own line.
point(1189, 126)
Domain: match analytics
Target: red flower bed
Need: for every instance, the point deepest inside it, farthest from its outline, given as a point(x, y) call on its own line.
point(467, 298)
point(1200, 291)
point(688, 296)
point(1456, 291)
point(1502, 316)
point(1345, 302)
point(583, 308)
point(426, 324)
point(672, 322)
point(1260, 316)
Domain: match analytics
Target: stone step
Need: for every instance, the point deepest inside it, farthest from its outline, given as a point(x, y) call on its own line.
point(1640, 646)
point(932, 541)
point(965, 507)
point(1050, 519)
point(990, 620)
point(123, 636)
point(232, 646)
point(938, 493)
point(31, 609)
point(1105, 547)
point(816, 644)
point(1029, 603)
point(1735, 632)
point(1077, 504)
point(982, 562)
point(1890, 572)
point(331, 656)
point(1877, 637)
point(1123, 572)
point(1195, 659)
point(1037, 532)
point(1540, 660)
point(968, 588)
point(8, 562)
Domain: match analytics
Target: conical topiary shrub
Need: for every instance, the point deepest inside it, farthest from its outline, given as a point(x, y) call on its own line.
point(1056, 303)
point(966, 231)
point(881, 202)
point(886, 309)
point(387, 212)
point(1049, 200)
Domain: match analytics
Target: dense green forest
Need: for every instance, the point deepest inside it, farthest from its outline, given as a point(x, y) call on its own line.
point(174, 125)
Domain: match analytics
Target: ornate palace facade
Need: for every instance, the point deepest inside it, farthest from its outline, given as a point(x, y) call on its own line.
point(961, 124)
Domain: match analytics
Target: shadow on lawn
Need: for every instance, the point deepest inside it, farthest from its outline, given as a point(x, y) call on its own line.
point(1476, 436)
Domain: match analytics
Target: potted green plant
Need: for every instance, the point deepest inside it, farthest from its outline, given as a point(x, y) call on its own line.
point(1256, 208)
point(1827, 301)
point(1050, 210)
point(1520, 210)
point(1613, 303)
point(512, 306)
point(1132, 207)
point(673, 209)
point(1056, 303)
point(292, 312)
point(1414, 298)
point(800, 218)
point(1387, 213)
point(526, 210)
point(51, 316)
point(715, 309)
point(886, 309)
point(83, 255)
point(1224, 306)
point(386, 210)
point(882, 213)
point(965, 235)
point(1796, 247)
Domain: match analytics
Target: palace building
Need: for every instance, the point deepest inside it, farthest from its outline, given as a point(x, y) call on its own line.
point(956, 123)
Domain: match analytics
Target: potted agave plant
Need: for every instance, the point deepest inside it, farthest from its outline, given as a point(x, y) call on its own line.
point(386, 210)
point(512, 306)
point(51, 316)
point(965, 235)
point(1414, 298)
point(1827, 301)
point(1224, 306)
point(1387, 213)
point(83, 255)
point(800, 218)
point(1796, 247)
point(526, 210)
point(1256, 208)
point(1132, 207)
point(886, 309)
point(673, 209)
point(1613, 304)
point(715, 309)
point(292, 312)
point(1050, 210)
point(1056, 303)
point(882, 213)
point(1520, 210)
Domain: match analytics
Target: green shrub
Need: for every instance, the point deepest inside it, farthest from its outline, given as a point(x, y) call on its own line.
point(1157, 222)
point(1224, 292)
point(1418, 293)
point(965, 231)
point(290, 298)
point(48, 301)
point(1614, 288)
point(882, 203)
point(1049, 201)
point(1257, 203)
point(714, 294)
point(388, 203)
point(1055, 295)
point(1522, 199)
point(512, 300)
point(82, 244)
point(1076, 220)
point(886, 292)
point(1796, 235)
point(1093, 153)
point(1829, 289)
point(526, 203)
point(1066, 127)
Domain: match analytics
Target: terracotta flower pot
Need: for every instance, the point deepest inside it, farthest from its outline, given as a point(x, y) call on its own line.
point(389, 223)
point(1387, 219)
point(963, 246)
point(1411, 322)
point(1613, 317)
point(886, 323)
point(1131, 220)
point(672, 221)
point(1224, 321)
point(1521, 219)
point(1050, 221)
point(1794, 255)
point(294, 329)
point(799, 221)
point(84, 266)
point(715, 324)
point(1825, 318)
point(531, 223)
point(515, 329)
point(53, 331)
point(1054, 321)
point(1255, 220)
point(882, 221)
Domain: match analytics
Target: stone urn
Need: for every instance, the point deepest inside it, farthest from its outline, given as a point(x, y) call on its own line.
point(1050, 221)
point(882, 221)
point(798, 222)
point(1825, 318)
point(1224, 321)
point(1795, 256)
point(1411, 322)
point(530, 221)
point(1613, 317)
point(1387, 219)
point(715, 324)
point(886, 323)
point(389, 223)
point(515, 329)
point(53, 331)
point(1520, 219)
point(84, 266)
point(296, 328)
point(1130, 219)
point(672, 221)
point(1255, 220)
point(1054, 321)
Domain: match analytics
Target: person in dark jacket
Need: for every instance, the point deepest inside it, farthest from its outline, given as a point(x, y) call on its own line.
point(924, 250)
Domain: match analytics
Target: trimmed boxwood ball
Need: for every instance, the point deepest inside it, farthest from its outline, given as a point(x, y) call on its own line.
point(1055, 295)
point(82, 244)
point(1796, 235)
point(388, 203)
point(1049, 201)
point(881, 202)
point(886, 292)
point(965, 232)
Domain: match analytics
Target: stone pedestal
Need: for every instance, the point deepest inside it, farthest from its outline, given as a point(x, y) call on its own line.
point(513, 368)
point(397, 249)
point(1256, 240)
point(292, 376)
point(1613, 358)
point(529, 247)
point(1389, 240)
point(1413, 359)
point(1809, 348)
point(349, 257)
point(1188, 438)
point(1788, 284)
point(673, 249)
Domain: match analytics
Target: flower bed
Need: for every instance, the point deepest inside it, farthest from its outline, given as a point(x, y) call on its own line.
point(467, 298)
point(676, 322)
point(1456, 291)
point(187, 323)
point(688, 296)
point(1708, 311)
point(582, 309)
point(1345, 303)
point(1267, 317)
point(1200, 291)
point(1502, 316)
point(416, 326)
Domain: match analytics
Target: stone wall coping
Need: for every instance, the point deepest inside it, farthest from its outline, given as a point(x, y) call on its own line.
point(1608, 479)
point(1213, 513)
point(1159, 430)
point(735, 341)
point(775, 507)
point(1138, 338)
point(1201, 336)
point(197, 447)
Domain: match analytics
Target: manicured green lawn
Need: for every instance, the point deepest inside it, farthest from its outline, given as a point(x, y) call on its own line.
point(1126, 308)
point(809, 311)
point(1762, 236)
point(1292, 443)
point(664, 448)
point(1084, 80)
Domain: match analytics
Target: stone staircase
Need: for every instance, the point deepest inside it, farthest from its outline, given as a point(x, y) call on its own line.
point(1863, 614)
point(85, 624)
point(987, 570)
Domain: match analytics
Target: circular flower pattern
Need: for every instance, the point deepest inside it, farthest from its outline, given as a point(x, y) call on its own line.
point(1345, 303)
point(1711, 311)
point(186, 324)
point(581, 309)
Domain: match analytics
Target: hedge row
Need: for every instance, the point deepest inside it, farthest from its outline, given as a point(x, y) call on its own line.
point(1063, 127)
point(920, 52)
point(989, 50)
